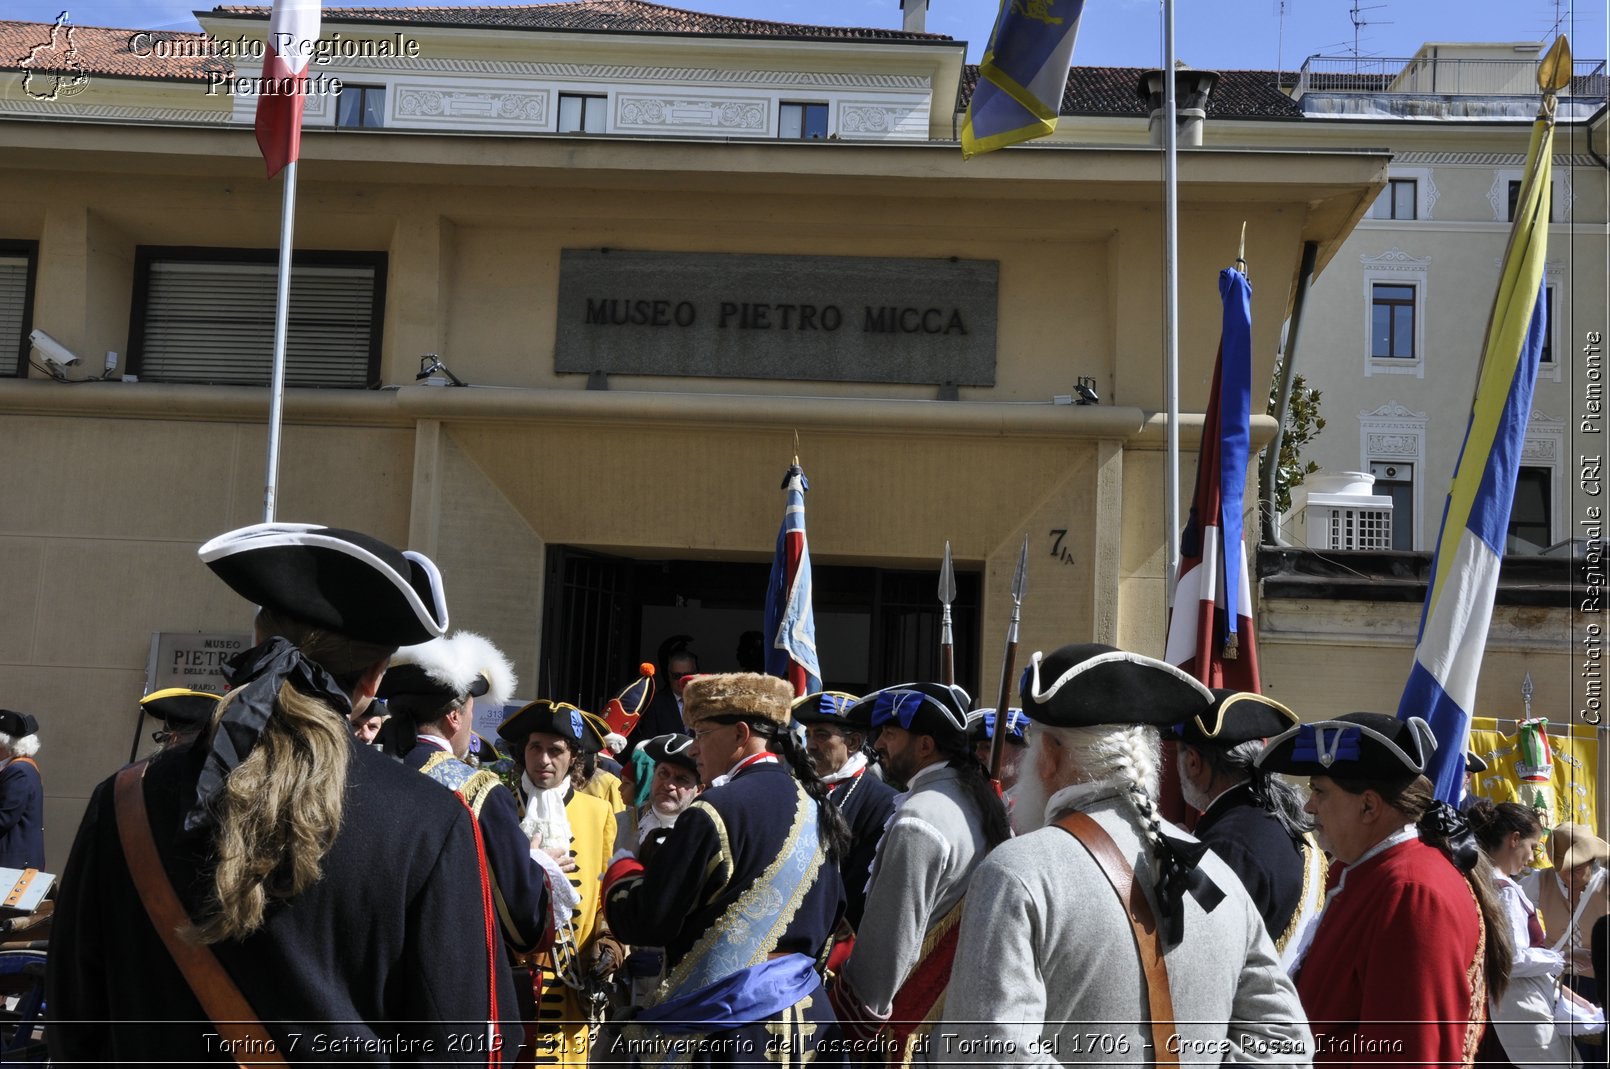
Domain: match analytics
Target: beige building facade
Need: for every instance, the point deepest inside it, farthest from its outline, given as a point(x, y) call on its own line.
point(564, 517)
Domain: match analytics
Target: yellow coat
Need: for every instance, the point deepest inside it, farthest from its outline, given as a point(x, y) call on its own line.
point(562, 1021)
point(606, 785)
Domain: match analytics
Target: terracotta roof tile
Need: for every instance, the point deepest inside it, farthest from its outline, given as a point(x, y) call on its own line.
point(45, 47)
point(1112, 91)
point(621, 16)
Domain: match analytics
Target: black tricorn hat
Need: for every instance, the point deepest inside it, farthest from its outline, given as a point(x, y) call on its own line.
point(1371, 746)
point(1236, 716)
point(827, 707)
point(672, 747)
point(1087, 684)
point(180, 708)
point(17, 725)
point(550, 718)
point(1475, 762)
point(981, 726)
point(339, 580)
point(921, 708)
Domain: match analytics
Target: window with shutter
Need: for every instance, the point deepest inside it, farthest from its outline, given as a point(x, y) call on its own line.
point(207, 316)
point(17, 262)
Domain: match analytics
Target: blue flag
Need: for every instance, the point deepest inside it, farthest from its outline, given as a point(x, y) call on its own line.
point(790, 619)
point(1475, 519)
point(1024, 72)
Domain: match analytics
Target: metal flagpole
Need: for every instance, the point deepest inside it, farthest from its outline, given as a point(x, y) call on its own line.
point(1171, 300)
point(282, 301)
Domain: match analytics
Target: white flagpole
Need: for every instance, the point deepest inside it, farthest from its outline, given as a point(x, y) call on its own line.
point(1171, 308)
point(282, 301)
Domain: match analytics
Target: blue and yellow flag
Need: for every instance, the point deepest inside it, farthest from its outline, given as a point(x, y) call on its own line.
point(1475, 519)
point(1025, 69)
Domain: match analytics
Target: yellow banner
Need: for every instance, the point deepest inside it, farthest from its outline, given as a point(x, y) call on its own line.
point(1572, 785)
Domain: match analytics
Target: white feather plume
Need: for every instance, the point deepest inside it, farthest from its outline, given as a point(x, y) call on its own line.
point(487, 660)
point(455, 662)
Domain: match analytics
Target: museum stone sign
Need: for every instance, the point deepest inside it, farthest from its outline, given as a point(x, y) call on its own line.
point(840, 318)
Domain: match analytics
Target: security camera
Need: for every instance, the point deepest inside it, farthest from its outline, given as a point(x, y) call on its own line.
point(57, 356)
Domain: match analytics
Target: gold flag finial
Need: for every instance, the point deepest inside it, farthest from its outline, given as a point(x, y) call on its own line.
point(1554, 71)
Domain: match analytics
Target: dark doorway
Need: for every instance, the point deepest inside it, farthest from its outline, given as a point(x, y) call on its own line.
point(874, 626)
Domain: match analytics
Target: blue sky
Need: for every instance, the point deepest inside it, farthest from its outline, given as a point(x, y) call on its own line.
point(1225, 34)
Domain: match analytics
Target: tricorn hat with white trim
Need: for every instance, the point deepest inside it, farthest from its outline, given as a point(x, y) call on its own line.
point(1088, 684)
point(339, 580)
point(1370, 746)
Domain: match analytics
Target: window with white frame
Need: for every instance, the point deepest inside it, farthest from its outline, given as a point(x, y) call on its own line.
point(1506, 188)
point(204, 315)
point(1531, 512)
point(1395, 479)
point(1410, 195)
point(582, 113)
point(1399, 200)
point(18, 262)
point(1392, 448)
point(1393, 306)
point(1395, 286)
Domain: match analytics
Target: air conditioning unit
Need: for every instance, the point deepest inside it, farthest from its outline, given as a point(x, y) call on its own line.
point(1336, 510)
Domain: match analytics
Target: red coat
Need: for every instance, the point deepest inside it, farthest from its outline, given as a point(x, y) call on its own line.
point(1395, 972)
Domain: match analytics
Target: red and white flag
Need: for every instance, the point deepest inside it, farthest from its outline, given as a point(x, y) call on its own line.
point(293, 31)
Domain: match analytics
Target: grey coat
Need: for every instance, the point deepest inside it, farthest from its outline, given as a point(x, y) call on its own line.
point(924, 861)
point(1046, 972)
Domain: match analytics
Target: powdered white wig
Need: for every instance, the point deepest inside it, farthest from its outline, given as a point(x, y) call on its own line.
point(26, 746)
point(458, 662)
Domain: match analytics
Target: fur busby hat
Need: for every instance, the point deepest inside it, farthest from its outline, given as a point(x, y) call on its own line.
point(1236, 716)
point(673, 748)
point(921, 708)
point(740, 694)
point(550, 718)
point(981, 726)
point(339, 580)
point(426, 680)
point(20, 725)
point(1088, 684)
point(181, 709)
point(826, 707)
point(1368, 746)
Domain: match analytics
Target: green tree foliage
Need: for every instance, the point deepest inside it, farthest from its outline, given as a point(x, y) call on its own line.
point(1303, 424)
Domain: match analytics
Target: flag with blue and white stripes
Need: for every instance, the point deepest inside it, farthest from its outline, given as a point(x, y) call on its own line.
point(790, 618)
point(1475, 521)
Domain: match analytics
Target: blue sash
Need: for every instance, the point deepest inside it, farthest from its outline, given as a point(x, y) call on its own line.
point(753, 994)
point(726, 980)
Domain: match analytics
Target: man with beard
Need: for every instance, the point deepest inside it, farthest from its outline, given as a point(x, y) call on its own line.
point(1400, 963)
point(743, 894)
point(1053, 966)
point(893, 985)
point(1252, 820)
point(834, 746)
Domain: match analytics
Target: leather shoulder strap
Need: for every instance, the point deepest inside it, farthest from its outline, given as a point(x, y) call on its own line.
point(220, 999)
point(1148, 941)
